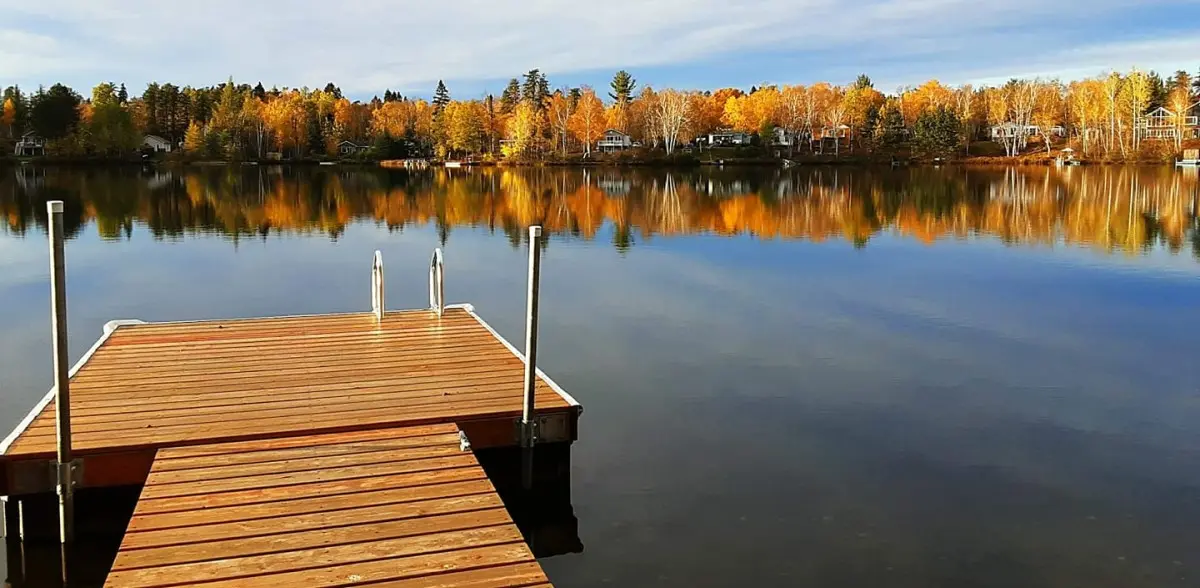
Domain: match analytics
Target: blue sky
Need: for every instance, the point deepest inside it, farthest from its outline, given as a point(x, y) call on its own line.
point(476, 45)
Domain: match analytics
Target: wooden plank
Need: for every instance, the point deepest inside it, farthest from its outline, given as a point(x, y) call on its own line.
point(379, 564)
point(398, 507)
point(333, 532)
point(325, 518)
point(322, 489)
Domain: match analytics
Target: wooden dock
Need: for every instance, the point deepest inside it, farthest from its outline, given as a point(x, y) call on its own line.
point(145, 387)
point(405, 506)
point(311, 450)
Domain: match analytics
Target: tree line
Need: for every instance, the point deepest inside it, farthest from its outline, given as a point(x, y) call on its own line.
point(1101, 116)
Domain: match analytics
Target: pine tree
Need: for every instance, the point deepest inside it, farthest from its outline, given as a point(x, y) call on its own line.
point(536, 89)
point(863, 82)
point(259, 92)
point(623, 86)
point(936, 132)
point(122, 95)
point(510, 97)
point(441, 97)
point(330, 88)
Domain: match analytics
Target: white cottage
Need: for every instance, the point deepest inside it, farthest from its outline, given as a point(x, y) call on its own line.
point(614, 140)
point(156, 144)
point(350, 148)
point(30, 145)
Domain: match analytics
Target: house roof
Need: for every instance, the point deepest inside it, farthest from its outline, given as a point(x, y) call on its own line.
point(349, 143)
point(615, 131)
point(154, 138)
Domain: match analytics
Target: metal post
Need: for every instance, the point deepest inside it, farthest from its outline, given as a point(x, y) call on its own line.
point(377, 286)
point(528, 424)
point(12, 518)
point(437, 283)
point(62, 380)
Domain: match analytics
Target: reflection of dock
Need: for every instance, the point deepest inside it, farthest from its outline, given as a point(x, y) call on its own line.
point(298, 450)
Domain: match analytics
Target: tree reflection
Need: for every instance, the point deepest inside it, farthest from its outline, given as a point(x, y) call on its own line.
point(1112, 209)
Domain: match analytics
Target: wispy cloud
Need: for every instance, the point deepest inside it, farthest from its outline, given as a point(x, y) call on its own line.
point(369, 45)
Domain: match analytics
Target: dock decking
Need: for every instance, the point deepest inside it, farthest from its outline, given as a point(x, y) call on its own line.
point(146, 387)
point(407, 507)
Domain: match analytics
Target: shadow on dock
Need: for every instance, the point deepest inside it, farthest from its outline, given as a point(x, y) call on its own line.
point(544, 515)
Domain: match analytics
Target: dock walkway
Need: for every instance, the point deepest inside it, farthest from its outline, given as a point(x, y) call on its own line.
point(406, 506)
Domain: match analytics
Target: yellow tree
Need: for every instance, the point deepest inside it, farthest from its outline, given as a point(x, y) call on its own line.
point(256, 125)
point(1136, 98)
point(1048, 110)
point(617, 117)
point(8, 116)
point(390, 119)
point(791, 112)
point(287, 120)
point(588, 121)
point(1178, 102)
point(351, 120)
point(643, 111)
point(522, 130)
point(465, 126)
point(558, 110)
point(672, 115)
point(193, 140)
point(860, 102)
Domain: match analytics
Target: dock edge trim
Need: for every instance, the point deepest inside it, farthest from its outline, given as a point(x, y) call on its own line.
point(545, 378)
point(109, 328)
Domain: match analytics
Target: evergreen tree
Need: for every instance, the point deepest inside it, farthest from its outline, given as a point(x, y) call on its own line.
point(330, 88)
point(573, 97)
point(623, 86)
point(936, 132)
point(510, 97)
point(863, 82)
point(1158, 91)
point(259, 92)
point(892, 133)
point(441, 97)
point(387, 96)
point(123, 95)
point(536, 89)
point(54, 113)
point(150, 105)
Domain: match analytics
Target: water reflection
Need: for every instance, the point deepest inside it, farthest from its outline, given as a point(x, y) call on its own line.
point(1110, 209)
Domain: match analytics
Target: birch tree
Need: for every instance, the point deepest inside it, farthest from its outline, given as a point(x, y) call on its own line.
point(672, 117)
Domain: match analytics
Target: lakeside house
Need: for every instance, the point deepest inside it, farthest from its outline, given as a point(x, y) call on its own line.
point(727, 138)
point(30, 145)
point(1011, 130)
point(614, 140)
point(1161, 123)
point(786, 138)
point(156, 144)
point(351, 148)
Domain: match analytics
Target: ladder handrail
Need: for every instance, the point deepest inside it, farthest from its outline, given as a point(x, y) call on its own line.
point(377, 286)
point(437, 283)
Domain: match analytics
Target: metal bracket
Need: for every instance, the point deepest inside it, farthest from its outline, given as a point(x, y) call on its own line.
point(71, 471)
point(529, 437)
point(41, 476)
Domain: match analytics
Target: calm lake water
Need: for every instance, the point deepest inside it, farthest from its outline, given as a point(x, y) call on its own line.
point(811, 377)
